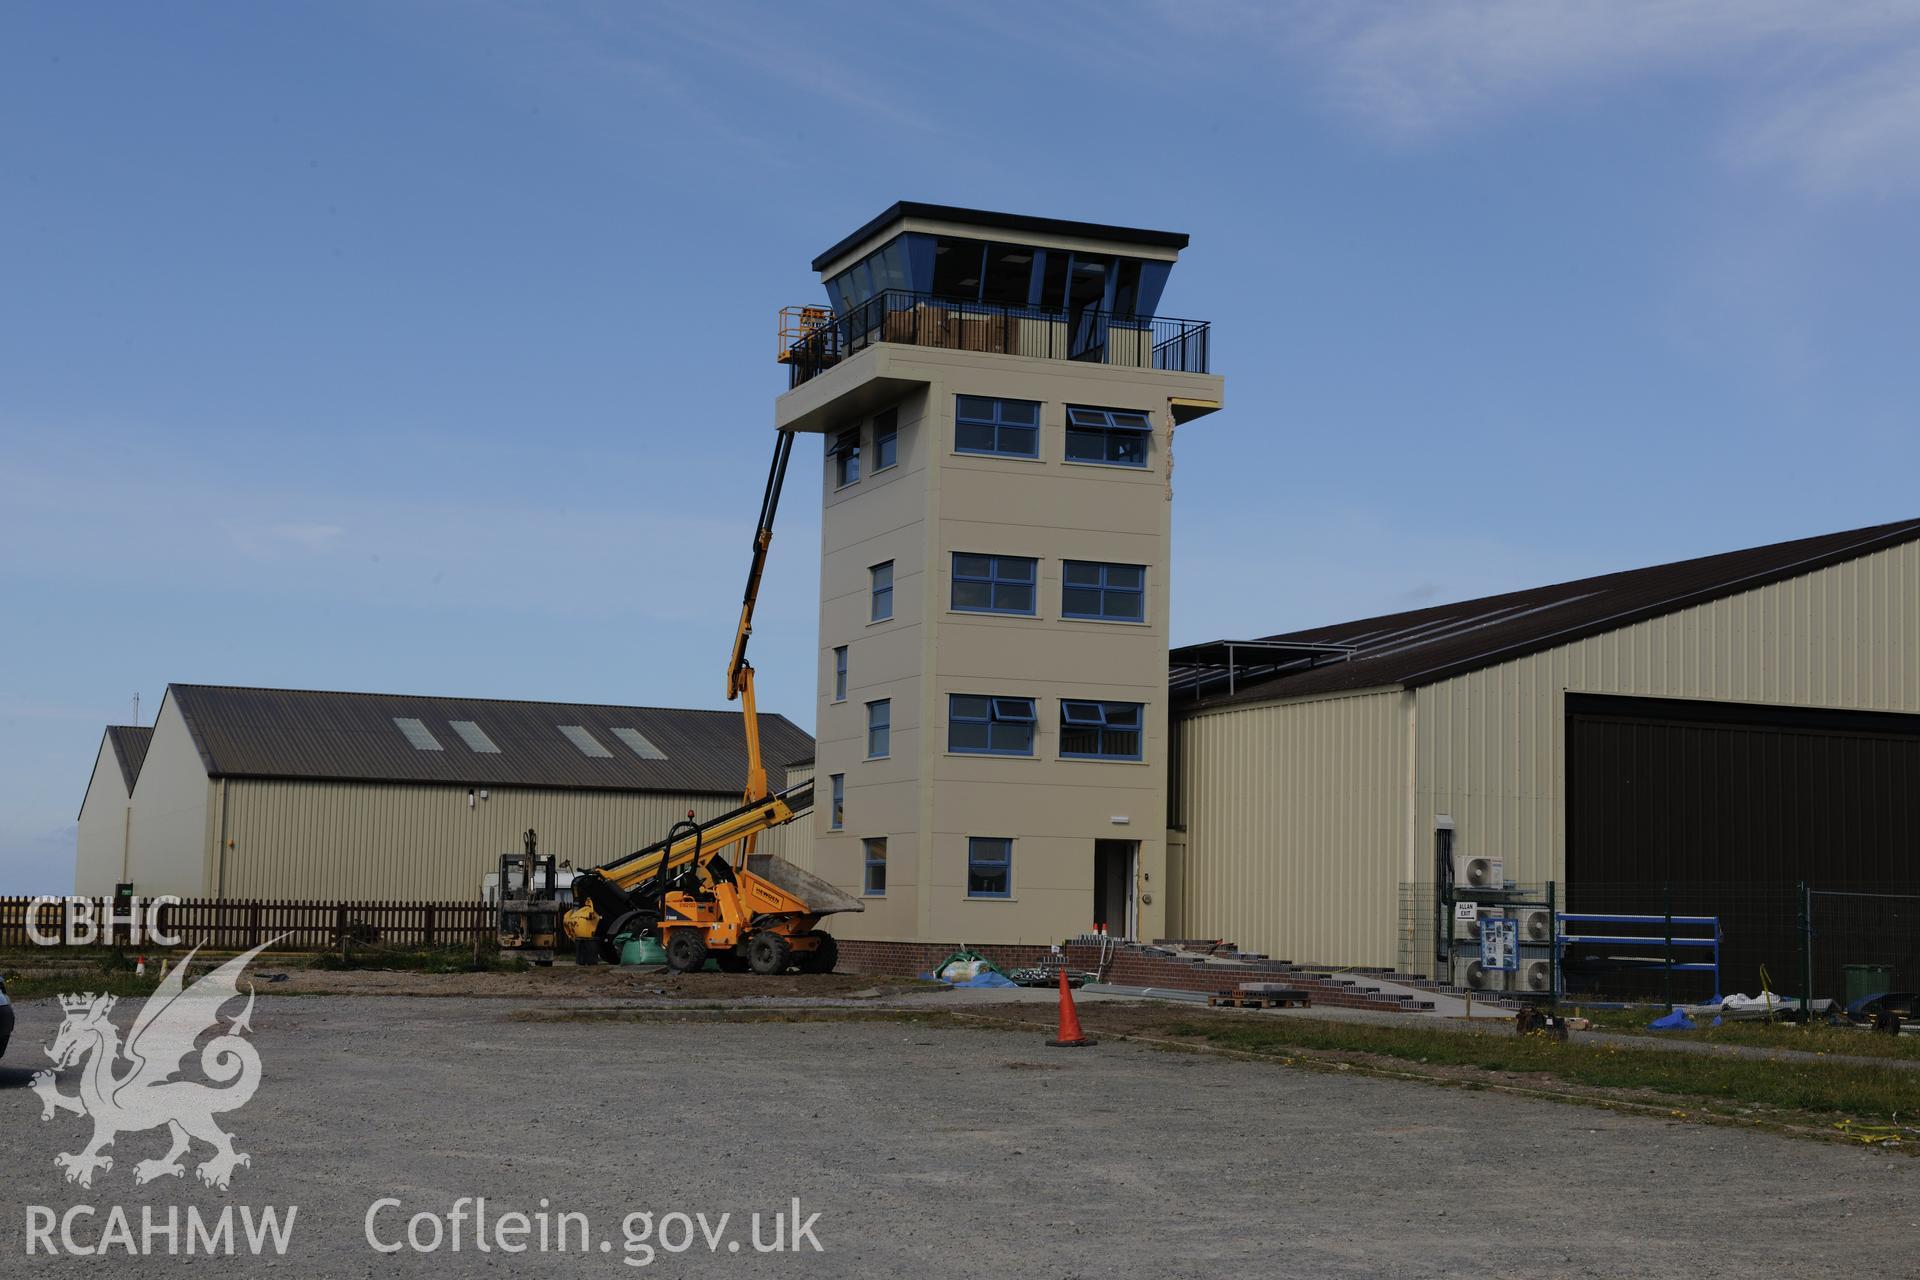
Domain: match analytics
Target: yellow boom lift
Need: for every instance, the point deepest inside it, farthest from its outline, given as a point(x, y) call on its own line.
point(703, 890)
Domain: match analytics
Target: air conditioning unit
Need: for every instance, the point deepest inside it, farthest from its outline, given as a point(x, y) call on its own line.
point(1478, 873)
point(1536, 926)
point(1468, 972)
point(1467, 929)
point(1534, 975)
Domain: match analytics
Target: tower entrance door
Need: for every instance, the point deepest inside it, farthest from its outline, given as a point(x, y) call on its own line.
point(1114, 865)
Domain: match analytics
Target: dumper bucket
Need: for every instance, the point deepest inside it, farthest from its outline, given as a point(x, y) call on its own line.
point(822, 899)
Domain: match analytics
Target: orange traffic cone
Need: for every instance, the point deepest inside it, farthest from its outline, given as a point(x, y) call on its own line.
point(141, 968)
point(1070, 1037)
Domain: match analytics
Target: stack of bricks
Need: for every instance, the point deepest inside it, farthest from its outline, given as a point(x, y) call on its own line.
point(1129, 964)
point(911, 959)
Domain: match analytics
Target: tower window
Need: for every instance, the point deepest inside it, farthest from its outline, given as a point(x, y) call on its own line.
point(1111, 437)
point(840, 674)
point(875, 885)
point(979, 725)
point(1099, 730)
point(880, 584)
point(993, 584)
point(989, 867)
point(837, 815)
point(886, 440)
point(1103, 592)
point(846, 458)
point(1009, 428)
point(879, 729)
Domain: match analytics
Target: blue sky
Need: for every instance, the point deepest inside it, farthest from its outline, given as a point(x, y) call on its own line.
point(429, 347)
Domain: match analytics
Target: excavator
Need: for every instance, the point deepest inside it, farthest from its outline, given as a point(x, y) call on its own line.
point(703, 891)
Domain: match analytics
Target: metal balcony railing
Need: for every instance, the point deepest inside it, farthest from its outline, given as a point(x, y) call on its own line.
point(813, 340)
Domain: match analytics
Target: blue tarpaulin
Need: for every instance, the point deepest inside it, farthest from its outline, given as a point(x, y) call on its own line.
point(1675, 1021)
point(985, 978)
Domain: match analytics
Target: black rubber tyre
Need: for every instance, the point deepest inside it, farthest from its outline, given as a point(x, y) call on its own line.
point(686, 951)
point(633, 922)
point(768, 954)
point(586, 951)
point(730, 961)
point(823, 957)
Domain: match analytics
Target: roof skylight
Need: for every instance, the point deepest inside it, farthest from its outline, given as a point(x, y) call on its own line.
point(475, 737)
point(588, 744)
point(637, 741)
point(417, 733)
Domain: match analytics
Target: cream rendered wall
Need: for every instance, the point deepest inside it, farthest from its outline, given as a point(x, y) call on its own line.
point(105, 824)
point(926, 802)
point(1492, 743)
point(1295, 820)
point(327, 840)
point(880, 518)
point(174, 802)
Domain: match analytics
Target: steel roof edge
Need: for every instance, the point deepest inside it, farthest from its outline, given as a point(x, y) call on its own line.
point(901, 210)
point(379, 780)
point(1865, 541)
point(1674, 604)
point(461, 697)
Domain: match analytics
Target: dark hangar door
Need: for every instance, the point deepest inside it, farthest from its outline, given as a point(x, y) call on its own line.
point(1733, 804)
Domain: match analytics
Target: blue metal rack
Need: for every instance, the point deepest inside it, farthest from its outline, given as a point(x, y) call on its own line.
point(1666, 940)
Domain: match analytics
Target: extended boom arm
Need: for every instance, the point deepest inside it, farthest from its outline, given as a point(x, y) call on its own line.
point(739, 670)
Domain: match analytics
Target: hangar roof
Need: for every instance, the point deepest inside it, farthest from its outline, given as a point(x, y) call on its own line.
point(130, 749)
point(381, 737)
point(1424, 646)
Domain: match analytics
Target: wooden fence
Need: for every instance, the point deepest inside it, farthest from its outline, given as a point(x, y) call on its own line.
point(227, 924)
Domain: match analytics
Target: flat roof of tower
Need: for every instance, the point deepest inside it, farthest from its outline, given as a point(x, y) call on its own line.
point(904, 209)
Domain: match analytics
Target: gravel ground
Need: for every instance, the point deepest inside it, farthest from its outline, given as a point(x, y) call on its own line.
point(947, 1153)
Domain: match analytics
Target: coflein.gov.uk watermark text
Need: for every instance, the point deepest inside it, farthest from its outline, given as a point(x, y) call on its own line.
point(469, 1225)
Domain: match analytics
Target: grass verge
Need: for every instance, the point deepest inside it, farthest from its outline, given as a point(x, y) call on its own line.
point(1727, 1084)
point(1818, 1038)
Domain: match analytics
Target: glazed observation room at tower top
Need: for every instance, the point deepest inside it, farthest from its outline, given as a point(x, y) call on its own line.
point(991, 268)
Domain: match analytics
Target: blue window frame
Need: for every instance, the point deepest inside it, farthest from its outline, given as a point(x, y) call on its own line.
point(875, 884)
point(846, 458)
point(879, 729)
point(989, 867)
point(840, 674)
point(979, 725)
point(886, 440)
point(1112, 437)
point(880, 582)
point(837, 816)
point(1009, 428)
point(993, 584)
point(1099, 730)
point(1103, 592)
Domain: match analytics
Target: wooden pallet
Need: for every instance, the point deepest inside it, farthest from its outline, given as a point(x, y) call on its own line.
point(1278, 1000)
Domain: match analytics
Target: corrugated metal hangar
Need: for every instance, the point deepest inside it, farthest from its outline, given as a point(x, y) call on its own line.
point(1729, 725)
point(289, 794)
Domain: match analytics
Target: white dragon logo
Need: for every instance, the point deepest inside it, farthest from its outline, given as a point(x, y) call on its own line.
point(146, 1096)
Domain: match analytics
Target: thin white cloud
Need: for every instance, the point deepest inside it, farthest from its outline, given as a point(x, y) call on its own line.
point(1827, 93)
point(267, 542)
point(1855, 132)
